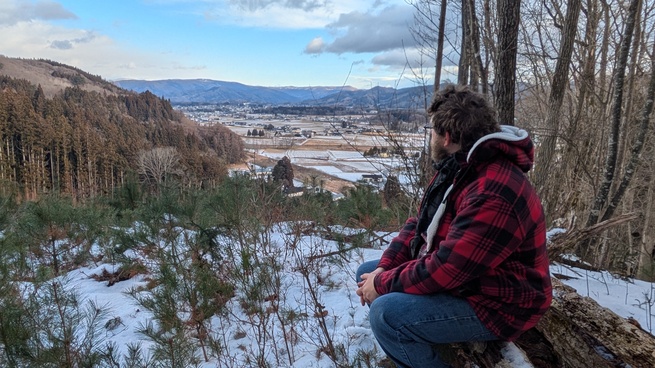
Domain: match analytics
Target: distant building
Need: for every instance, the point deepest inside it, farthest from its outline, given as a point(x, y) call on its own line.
point(261, 172)
point(294, 191)
point(372, 178)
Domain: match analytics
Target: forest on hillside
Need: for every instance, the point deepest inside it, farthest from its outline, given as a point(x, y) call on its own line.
point(85, 144)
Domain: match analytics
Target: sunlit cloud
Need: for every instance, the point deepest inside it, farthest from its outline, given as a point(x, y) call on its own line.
point(254, 5)
point(315, 46)
point(70, 43)
point(13, 11)
point(92, 52)
point(284, 14)
point(364, 32)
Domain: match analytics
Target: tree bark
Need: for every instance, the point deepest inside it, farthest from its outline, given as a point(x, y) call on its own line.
point(637, 146)
point(610, 160)
point(464, 57)
point(575, 332)
point(478, 73)
point(505, 81)
point(440, 40)
point(559, 85)
point(645, 255)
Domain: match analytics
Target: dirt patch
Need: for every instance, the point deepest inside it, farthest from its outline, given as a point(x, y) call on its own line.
point(116, 276)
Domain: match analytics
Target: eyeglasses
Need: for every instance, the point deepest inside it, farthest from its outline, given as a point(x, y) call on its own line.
point(428, 127)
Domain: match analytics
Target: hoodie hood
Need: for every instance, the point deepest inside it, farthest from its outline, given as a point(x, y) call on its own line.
point(511, 142)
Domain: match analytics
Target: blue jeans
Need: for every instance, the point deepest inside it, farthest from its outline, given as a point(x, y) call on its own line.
point(407, 326)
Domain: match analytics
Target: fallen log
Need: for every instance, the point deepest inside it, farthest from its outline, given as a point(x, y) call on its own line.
point(584, 334)
point(575, 332)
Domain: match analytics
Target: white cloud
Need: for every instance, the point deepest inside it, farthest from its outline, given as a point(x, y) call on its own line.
point(410, 57)
point(284, 14)
point(67, 44)
point(315, 46)
point(362, 32)
point(95, 53)
point(15, 11)
point(306, 5)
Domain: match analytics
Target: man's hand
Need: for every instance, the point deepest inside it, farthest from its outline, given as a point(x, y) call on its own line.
point(366, 287)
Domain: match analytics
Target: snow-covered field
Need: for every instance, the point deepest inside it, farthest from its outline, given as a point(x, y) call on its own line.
point(346, 165)
point(336, 154)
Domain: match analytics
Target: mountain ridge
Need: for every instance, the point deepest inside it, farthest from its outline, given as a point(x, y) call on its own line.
point(206, 91)
point(184, 91)
point(55, 77)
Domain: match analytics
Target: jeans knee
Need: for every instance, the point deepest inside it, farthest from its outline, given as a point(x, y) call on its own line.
point(366, 267)
point(377, 316)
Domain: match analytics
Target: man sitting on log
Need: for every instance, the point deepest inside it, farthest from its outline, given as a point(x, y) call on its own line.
point(472, 266)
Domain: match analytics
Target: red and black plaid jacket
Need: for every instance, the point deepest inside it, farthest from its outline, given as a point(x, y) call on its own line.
point(490, 246)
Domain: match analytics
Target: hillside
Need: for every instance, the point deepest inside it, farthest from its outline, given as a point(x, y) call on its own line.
point(86, 137)
point(54, 77)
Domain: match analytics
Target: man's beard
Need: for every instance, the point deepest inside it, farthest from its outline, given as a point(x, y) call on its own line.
point(438, 152)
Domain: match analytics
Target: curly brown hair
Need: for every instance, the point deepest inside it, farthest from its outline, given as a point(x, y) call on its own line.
point(463, 113)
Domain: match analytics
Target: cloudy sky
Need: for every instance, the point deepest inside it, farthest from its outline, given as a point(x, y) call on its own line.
point(362, 43)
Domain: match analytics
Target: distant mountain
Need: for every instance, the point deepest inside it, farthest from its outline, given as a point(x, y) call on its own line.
point(379, 97)
point(186, 91)
point(313, 93)
point(182, 91)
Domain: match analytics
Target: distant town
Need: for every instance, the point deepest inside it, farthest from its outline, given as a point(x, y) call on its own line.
point(285, 120)
point(343, 149)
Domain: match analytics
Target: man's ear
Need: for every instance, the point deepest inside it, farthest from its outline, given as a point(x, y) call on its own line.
point(449, 145)
point(447, 139)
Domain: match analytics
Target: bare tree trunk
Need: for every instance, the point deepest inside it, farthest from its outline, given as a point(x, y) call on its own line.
point(558, 87)
point(561, 190)
point(478, 73)
point(637, 146)
point(464, 57)
point(505, 82)
point(613, 139)
point(603, 83)
point(645, 256)
point(440, 40)
point(627, 123)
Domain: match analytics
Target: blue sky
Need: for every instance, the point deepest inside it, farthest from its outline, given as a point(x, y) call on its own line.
point(362, 43)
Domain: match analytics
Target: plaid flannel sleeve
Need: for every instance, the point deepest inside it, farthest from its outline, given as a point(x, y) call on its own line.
point(485, 231)
point(398, 251)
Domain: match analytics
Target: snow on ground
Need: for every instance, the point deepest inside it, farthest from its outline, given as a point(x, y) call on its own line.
point(346, 319)
point(309, 154)
point(626, 297)
point(346, 165)
point(345, 155)
point(339, 173)
point(119, 306)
